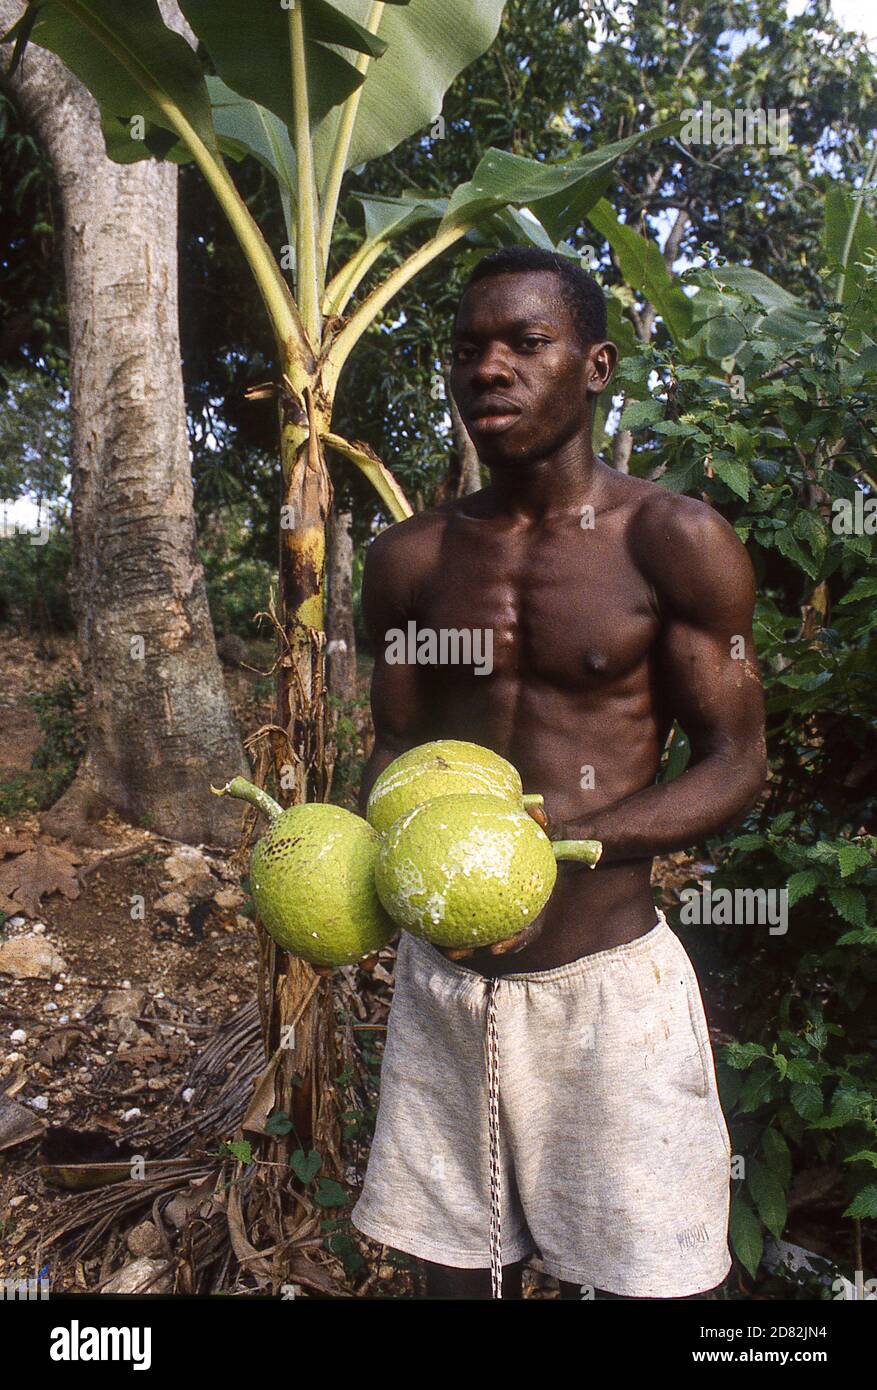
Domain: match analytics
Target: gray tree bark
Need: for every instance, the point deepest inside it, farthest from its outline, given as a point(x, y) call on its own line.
point(160, 725)
point(340, 632)
point(470, 468)
point(464, 469)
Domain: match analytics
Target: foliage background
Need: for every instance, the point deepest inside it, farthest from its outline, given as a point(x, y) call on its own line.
point(799, 1076)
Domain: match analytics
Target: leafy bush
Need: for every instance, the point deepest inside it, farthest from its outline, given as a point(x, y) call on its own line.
point(35, 583)
point(349, 721)
point(237, 584)
point(60, 716)
point(775, 437)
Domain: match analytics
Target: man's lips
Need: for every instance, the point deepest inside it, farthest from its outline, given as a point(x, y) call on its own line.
point(492, 416)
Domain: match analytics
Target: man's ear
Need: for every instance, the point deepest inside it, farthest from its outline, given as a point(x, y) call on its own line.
point(602, 358)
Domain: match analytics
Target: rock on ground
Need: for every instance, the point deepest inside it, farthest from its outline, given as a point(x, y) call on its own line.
point(30, 958)
point(142, 1275)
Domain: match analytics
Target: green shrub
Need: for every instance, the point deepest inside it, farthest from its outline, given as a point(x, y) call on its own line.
point(35, 583)
point(784, 466)
point(237, 583)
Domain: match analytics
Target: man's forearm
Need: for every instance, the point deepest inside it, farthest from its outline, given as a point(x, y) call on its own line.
point(381, 757)
point(704, 800)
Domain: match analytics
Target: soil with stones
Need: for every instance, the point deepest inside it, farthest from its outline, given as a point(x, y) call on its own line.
point(121, 972)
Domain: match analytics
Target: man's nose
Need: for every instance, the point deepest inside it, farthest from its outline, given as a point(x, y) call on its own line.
point(493, 366)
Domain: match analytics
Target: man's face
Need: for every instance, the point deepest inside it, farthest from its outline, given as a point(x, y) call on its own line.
point(521, 377)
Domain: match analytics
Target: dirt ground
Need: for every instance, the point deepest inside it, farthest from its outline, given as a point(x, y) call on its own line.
point(141, 957)
point(135, 963)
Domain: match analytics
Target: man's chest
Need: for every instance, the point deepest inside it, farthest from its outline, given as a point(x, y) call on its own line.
point(569, 609)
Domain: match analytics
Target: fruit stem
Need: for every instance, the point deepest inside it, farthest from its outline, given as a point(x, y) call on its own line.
point(245, 791)
point(585, 851)
point(533, 799)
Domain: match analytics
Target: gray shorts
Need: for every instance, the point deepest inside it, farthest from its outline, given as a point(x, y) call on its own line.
point(614, 1157)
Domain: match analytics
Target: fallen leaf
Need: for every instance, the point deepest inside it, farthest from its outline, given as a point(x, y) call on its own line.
point(41, 870)
point(18, 844)
point(262, 1101)
point(30, 958)
point(59, 1044)
point(17, 1124)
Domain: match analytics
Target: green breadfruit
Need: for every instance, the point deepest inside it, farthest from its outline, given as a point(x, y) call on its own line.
point(467, 870)
point(445, 767)
point(312, 880)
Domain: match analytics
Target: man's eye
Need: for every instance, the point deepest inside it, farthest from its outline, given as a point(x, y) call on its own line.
point(533, 343)
point(462, 354)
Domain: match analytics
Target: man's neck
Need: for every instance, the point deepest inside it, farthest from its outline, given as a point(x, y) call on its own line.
point(560, 483)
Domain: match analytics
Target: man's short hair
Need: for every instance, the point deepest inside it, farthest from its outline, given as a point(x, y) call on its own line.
point(580, 292)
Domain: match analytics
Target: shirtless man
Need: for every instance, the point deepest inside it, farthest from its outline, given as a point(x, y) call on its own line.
point(615, 607)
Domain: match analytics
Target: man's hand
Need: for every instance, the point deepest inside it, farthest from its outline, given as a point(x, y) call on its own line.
point(510, 946)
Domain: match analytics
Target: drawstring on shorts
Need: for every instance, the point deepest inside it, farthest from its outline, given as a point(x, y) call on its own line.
point(492, 1058)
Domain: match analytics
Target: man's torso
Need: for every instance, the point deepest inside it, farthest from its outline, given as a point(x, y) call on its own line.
point(572, 696)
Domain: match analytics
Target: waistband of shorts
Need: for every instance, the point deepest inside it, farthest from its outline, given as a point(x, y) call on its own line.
point(657, 935)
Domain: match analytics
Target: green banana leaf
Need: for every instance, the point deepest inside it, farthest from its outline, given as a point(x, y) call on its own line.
point(560, 195)
point(124, 147)
point(643, 268)
point(249, 45)
point(519, 227)
point(131, 62)
point(386, 217)
point(255, 130)
point(429, 42)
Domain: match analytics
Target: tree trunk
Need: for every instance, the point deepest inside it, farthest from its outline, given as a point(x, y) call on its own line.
point(470, 467)
point(159, 723)
point(464, 469)
point(341, 638)
point(622, 448)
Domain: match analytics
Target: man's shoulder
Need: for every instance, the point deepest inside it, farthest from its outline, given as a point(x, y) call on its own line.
point(411, 544)
point(657, 514)
point(421, 531)
point(685, 548)
point(667, 528)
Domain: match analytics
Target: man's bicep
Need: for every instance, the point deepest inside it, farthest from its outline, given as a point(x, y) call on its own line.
point(397, 696)
point(710, 684)
point(398, 706)
point(709, 676)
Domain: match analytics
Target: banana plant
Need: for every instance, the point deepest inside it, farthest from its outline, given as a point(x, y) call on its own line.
point(313, 89)
point(849, 238)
